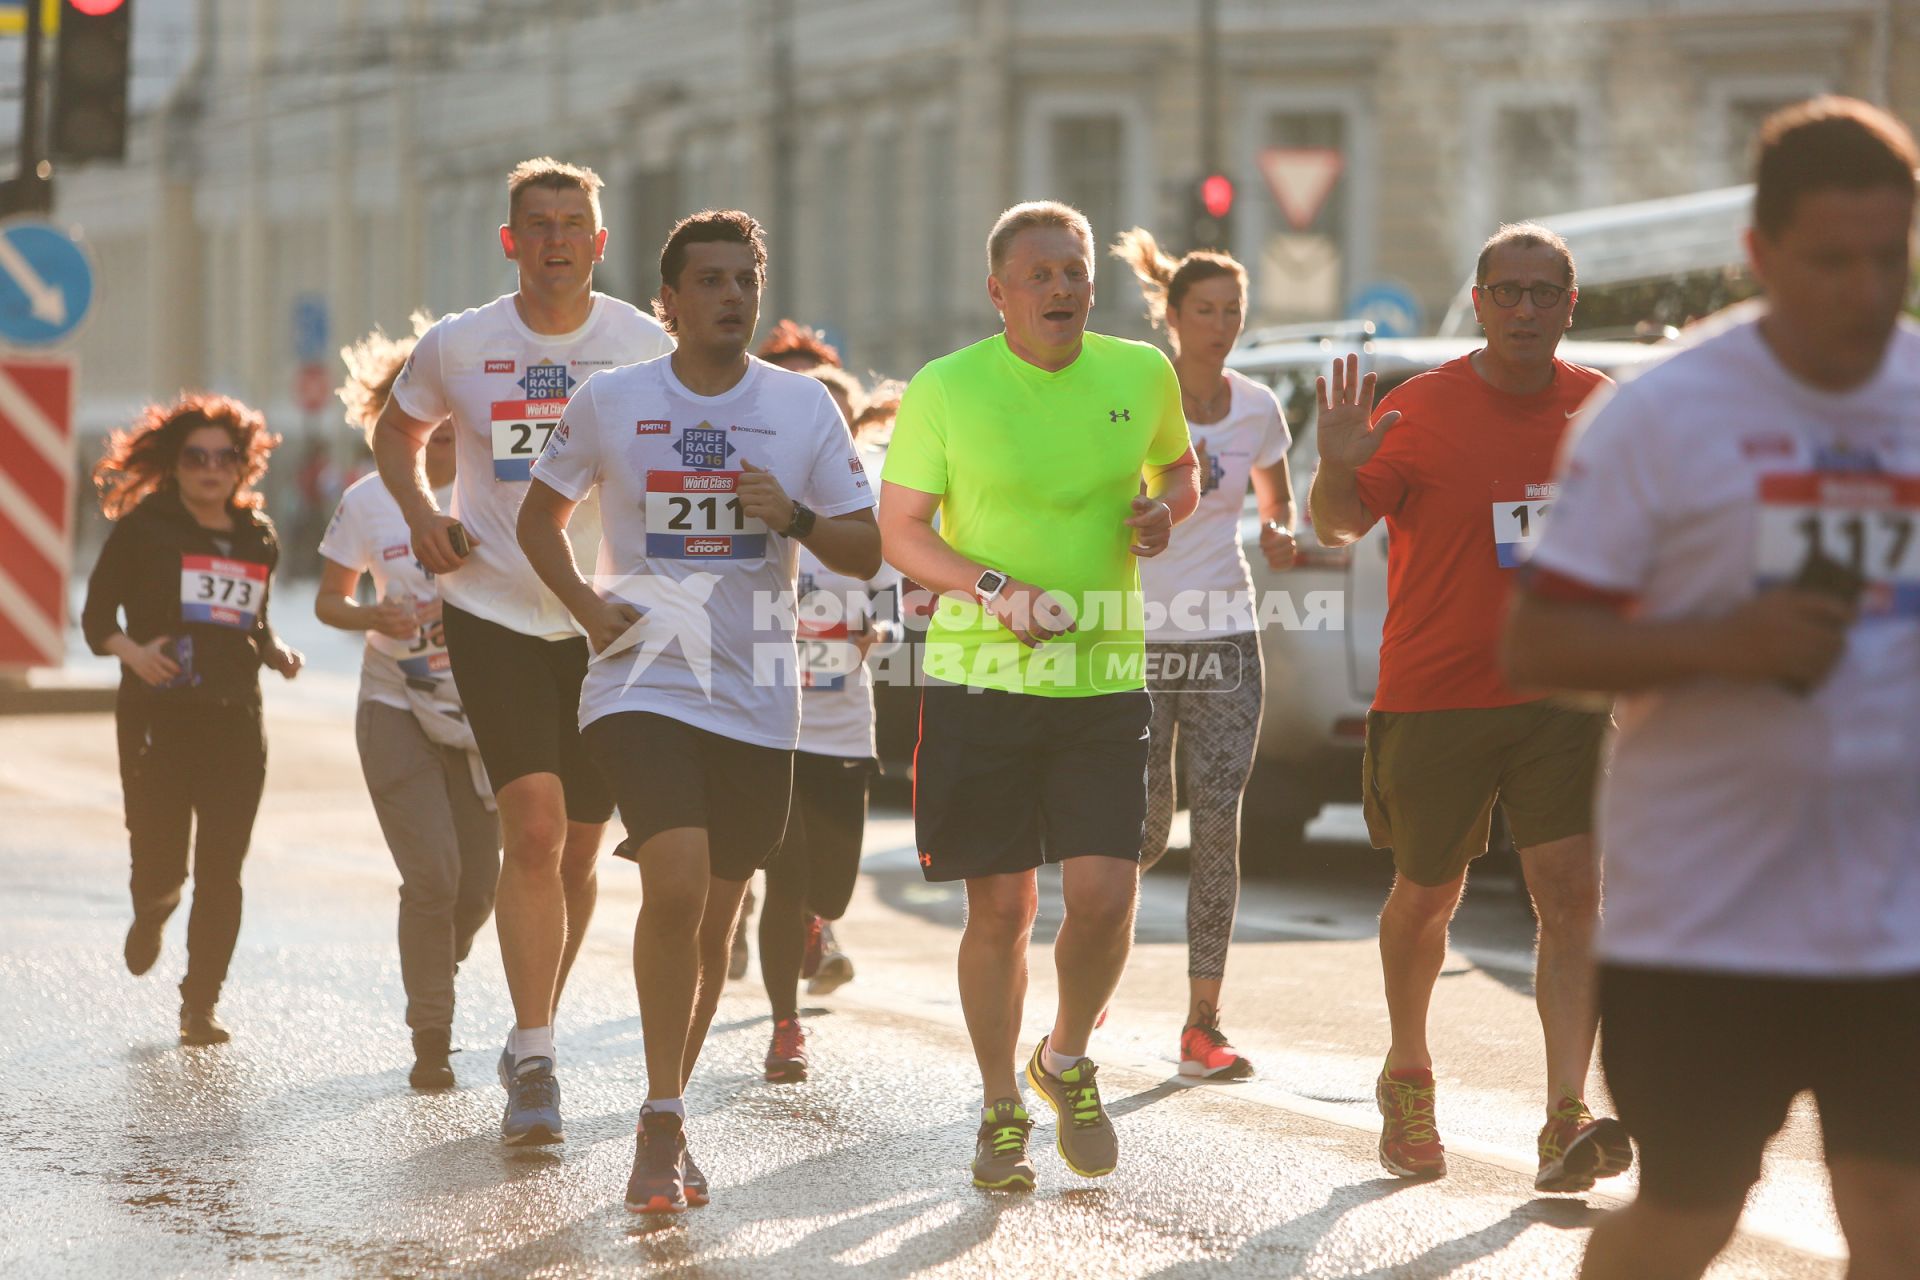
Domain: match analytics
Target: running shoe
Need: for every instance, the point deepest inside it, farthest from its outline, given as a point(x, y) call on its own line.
point(1082, 1130)
point(431, 1069)
point(658, 1183)
point(1410, 1140)
point(695, 1181)
point(1577, 1150)
point(1000, 1160)
point(198, 1025)
point(787, 1056)
point(1204, 1052)
point(834, 968)
point(142, 947)
point(737, 953)
point(532, 1117)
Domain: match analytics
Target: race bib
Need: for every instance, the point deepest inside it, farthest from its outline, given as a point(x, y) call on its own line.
point(226, 593)
point(1863, 520)
point(424, 655)
point(696, 515)
point(521, 429)
point(1519, 511)
point(827, 656)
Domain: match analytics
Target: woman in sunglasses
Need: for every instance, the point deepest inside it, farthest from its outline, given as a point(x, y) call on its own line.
point(188, 564)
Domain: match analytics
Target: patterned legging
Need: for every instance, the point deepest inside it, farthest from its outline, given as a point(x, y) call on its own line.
point(1211, 713)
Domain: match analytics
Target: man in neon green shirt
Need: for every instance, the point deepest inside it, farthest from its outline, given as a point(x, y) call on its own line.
point(1032, 447)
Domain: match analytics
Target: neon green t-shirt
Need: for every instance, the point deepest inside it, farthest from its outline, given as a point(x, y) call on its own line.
point(1037, 473)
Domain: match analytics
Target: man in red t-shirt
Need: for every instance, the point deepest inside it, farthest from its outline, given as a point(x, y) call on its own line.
point(1460, 465)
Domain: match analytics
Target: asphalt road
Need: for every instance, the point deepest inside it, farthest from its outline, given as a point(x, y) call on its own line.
point(299, 1150)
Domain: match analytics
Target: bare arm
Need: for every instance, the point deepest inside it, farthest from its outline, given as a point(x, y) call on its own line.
point(398, 442)
point(1782, 636)
point(917, 550)
point(334, 605)
point(848, 544)
point(1347, 437)
point(1273, 493)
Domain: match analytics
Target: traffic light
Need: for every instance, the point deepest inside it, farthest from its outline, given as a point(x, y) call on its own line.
point(92, 57)
point(1209, 219)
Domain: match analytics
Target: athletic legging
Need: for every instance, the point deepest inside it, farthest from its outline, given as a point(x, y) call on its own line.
point(815, 869)
point(1210, 714)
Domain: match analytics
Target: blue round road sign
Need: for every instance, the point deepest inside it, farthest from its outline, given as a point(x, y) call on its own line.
point(46, 284)
point(1391, 306)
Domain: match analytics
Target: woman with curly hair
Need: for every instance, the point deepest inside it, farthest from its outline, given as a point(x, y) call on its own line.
point(189, 563)
point(416, 749)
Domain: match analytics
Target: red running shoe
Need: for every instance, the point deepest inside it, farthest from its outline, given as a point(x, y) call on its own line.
point(1577, 1150)
point(1409, 1141)
point(1204, 1052)
point(787, 1056)
point(810, 958)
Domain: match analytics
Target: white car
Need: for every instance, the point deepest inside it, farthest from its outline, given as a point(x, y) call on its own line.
point(1321, 674)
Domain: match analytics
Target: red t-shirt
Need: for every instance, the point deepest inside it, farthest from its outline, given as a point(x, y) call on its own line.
point(1462, 481)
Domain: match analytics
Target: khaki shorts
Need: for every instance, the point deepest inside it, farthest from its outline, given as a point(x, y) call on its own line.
point(1430, 779)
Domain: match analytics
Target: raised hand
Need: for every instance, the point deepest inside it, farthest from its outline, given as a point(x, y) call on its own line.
point(1347, 434)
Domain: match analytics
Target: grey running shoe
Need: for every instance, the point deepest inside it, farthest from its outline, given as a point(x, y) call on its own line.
point(1083, 1131)
point(835, 969)
point(532, 1117)
point(1000, 1160)
point(696, 1181)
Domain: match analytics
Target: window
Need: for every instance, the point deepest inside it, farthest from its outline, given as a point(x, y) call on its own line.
point(1536, 161)
point(1089, 169)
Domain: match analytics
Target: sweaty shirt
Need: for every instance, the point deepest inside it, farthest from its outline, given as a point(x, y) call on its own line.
point(1747, 828)
point(1036, 473)
point(1463, 481)
point(505, 387)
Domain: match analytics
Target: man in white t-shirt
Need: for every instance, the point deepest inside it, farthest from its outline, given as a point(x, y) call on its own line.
point(1732, 553)
point(503, 373)
point(692, 703)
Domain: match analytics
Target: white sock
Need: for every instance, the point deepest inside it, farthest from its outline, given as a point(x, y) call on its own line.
point(1057, 1063)
point(530, 1042)
point(665, 1106)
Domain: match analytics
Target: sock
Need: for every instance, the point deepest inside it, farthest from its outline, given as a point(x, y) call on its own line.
point(1057, 1064)
point(530, 1042)
point(664, 1106)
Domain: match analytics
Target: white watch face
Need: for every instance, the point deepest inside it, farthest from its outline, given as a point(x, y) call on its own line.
point(989, 585)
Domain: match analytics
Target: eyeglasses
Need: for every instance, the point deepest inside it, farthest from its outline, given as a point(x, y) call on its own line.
point(1508, 295)
point(194, 458)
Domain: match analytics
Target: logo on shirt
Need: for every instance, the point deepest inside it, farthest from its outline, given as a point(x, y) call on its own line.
point(1212, 470)
point(652, 427)
point(591, 364)
point(547, 381)
point(1120, 415)
point(1767, 446)
point(498, 366)
point(757, 431)
point(394, 553)
point(704, 447)
point(1840, 457)
point(671, 613)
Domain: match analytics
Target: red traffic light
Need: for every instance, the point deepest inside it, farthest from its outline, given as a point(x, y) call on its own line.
point(1216, 195)
point(96, 8)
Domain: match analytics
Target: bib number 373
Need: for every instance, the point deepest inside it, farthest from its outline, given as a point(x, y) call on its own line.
point(226, 593)
point(521, 429)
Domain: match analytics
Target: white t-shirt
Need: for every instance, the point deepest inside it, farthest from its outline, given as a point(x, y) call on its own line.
point(505, 387)
point(717, 650)
point(1747, 828)
point(1201, 586)
point(369, 535)
point(836, 687)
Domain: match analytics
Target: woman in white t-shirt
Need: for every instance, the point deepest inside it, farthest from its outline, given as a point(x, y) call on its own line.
point(422, 768)
point(1203, 651)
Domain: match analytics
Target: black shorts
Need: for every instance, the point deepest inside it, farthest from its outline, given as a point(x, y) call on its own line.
point(1003, 782)
point(1703, 1066)
point(819, 860)
point(522, 697)
point(668, 774)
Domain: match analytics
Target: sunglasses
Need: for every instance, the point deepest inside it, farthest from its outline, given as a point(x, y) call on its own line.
point(194, 458)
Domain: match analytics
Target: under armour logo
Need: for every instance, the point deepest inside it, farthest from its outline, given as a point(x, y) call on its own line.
point(1119, 415)
point(926, 859)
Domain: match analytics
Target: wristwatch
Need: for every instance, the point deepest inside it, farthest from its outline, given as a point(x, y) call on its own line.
point(802, 523)
point(990, 583)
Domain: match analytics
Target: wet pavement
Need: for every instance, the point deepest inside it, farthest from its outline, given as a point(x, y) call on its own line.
point(299, 1149)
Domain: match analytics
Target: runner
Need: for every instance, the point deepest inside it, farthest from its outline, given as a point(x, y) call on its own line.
point(810, 881)
point(190, 561)
point(692, 704)
point(1033, 737)
point(416, 749)
point(1203, 650)
point(1462, 484)
point(503, 373)
point(1731, 554)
